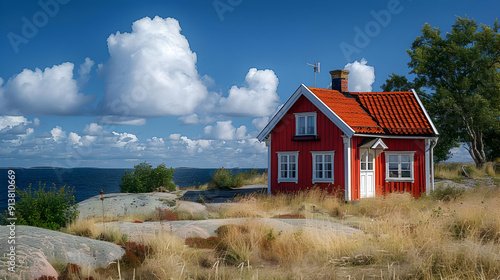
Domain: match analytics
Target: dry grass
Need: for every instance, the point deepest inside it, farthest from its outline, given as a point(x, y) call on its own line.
point(404, 238)
point(256, 179)
point(299, 203)
point(249, 178)
point(200, 187)
point(453, 170)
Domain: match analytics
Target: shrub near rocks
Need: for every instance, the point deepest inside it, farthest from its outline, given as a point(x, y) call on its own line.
point(224, 179)
point(50, 209)
point(145, 179)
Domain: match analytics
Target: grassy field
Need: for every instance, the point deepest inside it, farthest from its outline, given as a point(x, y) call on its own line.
point(452, 234)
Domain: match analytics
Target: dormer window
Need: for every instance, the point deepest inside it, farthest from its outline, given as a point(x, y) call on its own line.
point(305, 123)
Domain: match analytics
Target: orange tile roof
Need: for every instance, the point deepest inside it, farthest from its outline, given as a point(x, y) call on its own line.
point(349, 110)
point(397, 113)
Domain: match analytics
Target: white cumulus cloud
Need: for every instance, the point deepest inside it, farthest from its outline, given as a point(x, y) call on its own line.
point(74, 139)
point(195, 119)
point(121, 120)
point(257, 99)
point(84, 71)
point(174, 136)
point(58, 134)
point(260, 123)
point(224, 130)
point(361, 76)
point(12, 121)
point(122, 139)
point(93, 129)
point(156, 142)
point(195, 146)
point(152, 71)
point(52, 91)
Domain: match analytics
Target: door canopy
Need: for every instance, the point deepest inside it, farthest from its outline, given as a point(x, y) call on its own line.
point(375, 144)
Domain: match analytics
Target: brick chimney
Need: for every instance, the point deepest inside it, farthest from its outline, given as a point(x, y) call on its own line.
point(339, 80)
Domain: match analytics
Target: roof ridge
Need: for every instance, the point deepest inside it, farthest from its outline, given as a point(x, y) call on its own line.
point(380, 92)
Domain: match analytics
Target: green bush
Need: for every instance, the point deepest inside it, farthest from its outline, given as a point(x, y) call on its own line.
point(224, 179)
point(145, 178)
point(50, 209)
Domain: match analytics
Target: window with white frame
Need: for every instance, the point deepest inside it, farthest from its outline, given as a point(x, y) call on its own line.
point(305, 123)
point(399, 166)
point(322, 167)
point(288, 166)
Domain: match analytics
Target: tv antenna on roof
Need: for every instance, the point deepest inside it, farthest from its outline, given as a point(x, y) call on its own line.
point(316, 70)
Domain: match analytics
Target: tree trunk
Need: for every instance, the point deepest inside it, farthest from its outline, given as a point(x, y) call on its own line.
point(475, 146)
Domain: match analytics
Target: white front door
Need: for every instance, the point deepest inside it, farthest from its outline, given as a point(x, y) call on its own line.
point(367, 173)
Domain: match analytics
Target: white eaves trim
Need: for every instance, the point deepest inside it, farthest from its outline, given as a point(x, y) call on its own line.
point(303, 90)
point(425, 111)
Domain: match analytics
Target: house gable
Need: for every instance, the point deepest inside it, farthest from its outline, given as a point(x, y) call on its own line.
point(326, 146)
point(306, 92)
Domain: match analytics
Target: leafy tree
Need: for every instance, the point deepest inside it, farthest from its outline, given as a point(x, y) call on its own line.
point(462, 69)
point(50, 209)
point(145, 178)
point(397, 83)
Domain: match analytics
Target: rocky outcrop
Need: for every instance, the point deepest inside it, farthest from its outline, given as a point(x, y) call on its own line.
point(36, 248)
point(191, 210)
point(206, 228)
point(122, 204)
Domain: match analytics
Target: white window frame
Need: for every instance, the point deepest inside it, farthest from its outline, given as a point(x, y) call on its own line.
point(322, 180)
point(412, 166)
point(288, 179)
point(307, 114)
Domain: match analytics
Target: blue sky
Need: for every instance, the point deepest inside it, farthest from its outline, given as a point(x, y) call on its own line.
point(188, 83)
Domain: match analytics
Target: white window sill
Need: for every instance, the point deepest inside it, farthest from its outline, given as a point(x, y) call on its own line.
point(288, 181)
point(314, 181)
point(411, 180)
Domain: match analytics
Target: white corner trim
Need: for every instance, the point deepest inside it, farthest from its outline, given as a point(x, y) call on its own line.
point(347, 167)
point(427, 167)
point(425, 111)
point(269, 165)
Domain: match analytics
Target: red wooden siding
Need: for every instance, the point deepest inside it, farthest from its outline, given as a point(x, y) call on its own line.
point(381, 186)
point(330, 139)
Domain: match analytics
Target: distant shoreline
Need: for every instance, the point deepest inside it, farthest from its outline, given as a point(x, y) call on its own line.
point(51, 167)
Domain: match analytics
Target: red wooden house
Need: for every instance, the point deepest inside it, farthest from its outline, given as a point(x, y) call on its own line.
point(361, 143)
